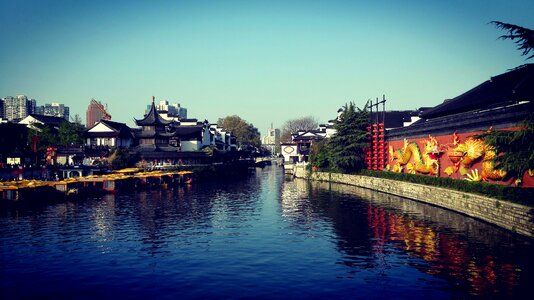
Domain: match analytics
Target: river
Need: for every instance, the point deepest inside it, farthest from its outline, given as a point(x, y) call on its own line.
point(265, 236)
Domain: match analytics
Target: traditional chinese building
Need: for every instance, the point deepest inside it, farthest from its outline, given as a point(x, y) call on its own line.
point(443, 141)
point(171, 142)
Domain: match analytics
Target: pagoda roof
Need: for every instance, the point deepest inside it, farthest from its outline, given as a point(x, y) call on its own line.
point(152, 118)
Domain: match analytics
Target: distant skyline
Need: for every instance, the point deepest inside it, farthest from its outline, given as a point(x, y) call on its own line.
point(265, 61)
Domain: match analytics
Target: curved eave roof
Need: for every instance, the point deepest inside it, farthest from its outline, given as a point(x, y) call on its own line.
point(513, 86)
point(152, 118)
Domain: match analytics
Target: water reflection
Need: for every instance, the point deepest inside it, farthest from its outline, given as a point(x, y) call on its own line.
point(261, 236)
point(474, 256)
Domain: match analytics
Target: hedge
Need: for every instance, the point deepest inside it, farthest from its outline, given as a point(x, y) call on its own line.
point(523, 196)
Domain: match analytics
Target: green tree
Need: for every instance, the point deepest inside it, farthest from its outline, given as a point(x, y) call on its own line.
point(320, 155)
point(516, 148)
point(46, 135)
point(70, 133)
point(347, 146)
point(246, 133)
point(122, 158)
point(294, 125)
point(523, 37)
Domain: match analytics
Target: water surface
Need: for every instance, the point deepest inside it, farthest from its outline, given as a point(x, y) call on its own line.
point(260, 237)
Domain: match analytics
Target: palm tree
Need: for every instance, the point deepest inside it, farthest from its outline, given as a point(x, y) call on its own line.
point(523, 37)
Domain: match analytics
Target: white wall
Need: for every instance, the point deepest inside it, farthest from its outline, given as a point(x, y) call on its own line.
point(192, 145)
point(288, 151)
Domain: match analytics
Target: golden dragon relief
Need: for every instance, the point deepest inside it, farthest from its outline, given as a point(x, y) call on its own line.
point(465, 154)
point(425, 162)
point(462, 155)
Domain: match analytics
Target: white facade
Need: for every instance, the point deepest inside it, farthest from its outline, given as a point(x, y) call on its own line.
point(289, 151)
point(103, 135)
point(191, 145)
point(222, 139)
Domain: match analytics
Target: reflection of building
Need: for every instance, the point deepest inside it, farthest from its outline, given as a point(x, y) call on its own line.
point(425, 232)
point(95, 112)
point(54, 109)
point(272, 140)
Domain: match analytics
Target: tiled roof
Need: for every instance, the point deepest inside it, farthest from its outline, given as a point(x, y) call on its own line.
point(508, 88)
point(394, 119)
point(49, 120)
point(152, 118)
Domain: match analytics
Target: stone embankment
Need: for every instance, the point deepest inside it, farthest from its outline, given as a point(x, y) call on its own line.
point(515, 217)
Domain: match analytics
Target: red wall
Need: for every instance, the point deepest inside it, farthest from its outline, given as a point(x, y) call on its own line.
point(446, 142)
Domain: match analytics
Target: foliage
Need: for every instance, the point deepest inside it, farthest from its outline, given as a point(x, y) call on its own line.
point(122, 158)
point(504, 192)
point(47, 136)
point(65, 135)
point(246, 133)
point(70, 134)
point(347, 146)
point(294, 125)
point(320, 155)
point(344, 152)
point(518, 146)
point(523, 37)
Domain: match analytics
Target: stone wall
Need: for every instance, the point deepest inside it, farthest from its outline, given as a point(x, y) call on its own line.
point(514, 217)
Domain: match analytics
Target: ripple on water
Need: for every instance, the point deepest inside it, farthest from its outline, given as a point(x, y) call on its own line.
point(258, 237)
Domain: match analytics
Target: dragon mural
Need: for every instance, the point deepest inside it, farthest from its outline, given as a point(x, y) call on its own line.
point(425, 162)
point(472, 159)
point(463, 155)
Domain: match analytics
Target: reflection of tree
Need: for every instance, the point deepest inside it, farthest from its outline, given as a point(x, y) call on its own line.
point(306, 206)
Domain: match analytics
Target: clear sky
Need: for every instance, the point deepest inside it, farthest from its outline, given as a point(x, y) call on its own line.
point(266, 61)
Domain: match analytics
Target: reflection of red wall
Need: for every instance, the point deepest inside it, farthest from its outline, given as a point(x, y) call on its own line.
point(447, 254)
point(447, 141)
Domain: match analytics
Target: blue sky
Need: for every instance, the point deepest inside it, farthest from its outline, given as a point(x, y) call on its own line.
point(266, 61)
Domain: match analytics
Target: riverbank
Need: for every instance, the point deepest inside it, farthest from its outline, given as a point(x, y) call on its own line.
point(514, 217)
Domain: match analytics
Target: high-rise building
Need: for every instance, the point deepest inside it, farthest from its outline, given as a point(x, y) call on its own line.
point(272, 140)
point(18, 108)
point(54, 110)
point(96, 112)
point(1, 108)
point(169, 111)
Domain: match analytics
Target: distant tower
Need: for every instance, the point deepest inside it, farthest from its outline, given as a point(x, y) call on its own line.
point(272, 140)
point(96, 112)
